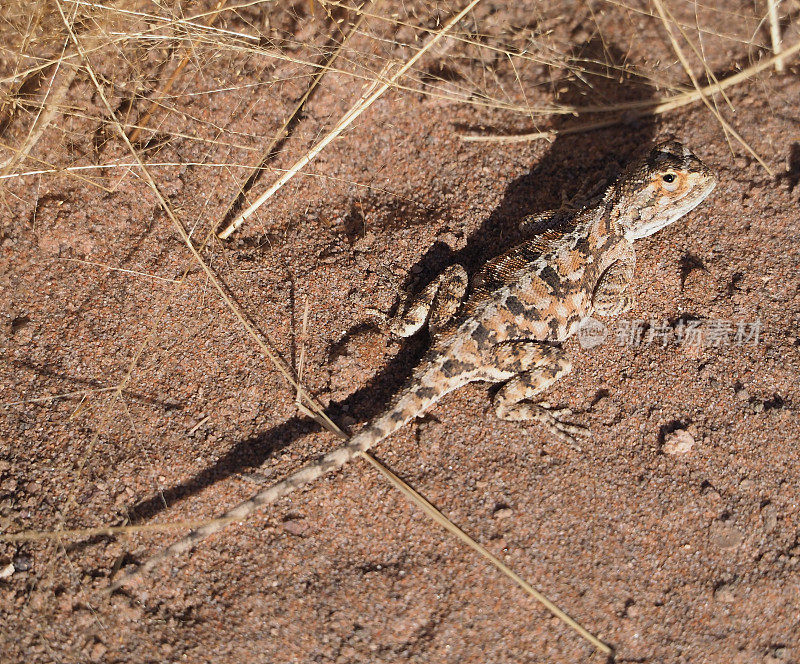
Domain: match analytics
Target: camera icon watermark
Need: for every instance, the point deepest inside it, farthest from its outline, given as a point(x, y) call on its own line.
point(592, 333)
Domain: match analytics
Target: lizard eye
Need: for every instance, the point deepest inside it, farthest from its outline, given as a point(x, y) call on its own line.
point(670, 181)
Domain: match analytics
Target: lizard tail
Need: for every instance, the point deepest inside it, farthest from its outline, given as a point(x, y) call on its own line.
point(417, 397)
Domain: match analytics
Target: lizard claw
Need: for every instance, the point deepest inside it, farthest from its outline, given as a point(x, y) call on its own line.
point(555, 412)
point(377, 314)
point(566, 432)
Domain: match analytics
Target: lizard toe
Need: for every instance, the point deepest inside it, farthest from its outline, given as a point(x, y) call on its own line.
point(566, 432)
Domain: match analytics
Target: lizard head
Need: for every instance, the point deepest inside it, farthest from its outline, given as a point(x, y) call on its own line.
point(660, 188)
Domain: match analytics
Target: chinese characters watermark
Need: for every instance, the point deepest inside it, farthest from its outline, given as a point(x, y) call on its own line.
point(695, 332)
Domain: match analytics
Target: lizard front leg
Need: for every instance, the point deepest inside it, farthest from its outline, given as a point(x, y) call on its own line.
point(535, 366)
point(436, 304)
point(610, 297)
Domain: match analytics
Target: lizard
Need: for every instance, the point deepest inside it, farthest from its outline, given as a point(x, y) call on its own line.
point(510, 326)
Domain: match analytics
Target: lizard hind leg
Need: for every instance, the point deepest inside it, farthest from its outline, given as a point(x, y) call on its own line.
point(536, 367)
point(436, 304)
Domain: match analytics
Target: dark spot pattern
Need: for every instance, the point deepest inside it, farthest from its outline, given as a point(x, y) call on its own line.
point(424, 391)
point(481, 334)
point(515, 306)
point(453, 367)
point(550, 277)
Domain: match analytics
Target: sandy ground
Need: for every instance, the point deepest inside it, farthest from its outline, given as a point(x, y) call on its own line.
point(674, 535)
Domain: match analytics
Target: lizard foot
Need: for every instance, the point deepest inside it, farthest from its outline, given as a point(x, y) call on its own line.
point(615, 306)
point(566, 432)
point(377, 315)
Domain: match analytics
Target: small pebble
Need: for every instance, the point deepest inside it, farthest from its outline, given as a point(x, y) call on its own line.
point(725, 535)
point(678, 443)
point(770, 516)
point(22, 563)
point(294, 527)
point(364, 242)
point(21, 329)
point(724, 594)
point(98, 652)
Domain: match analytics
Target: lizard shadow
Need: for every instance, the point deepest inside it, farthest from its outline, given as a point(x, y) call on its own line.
point(570, 160)
point(250, 453)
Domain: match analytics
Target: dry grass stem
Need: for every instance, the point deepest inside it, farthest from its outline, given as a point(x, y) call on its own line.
point(82, 533)
point(111, 268)
point(302, 360)
point(49, 109)
point(69, 170)
point(51, 168)
point(63, 395)
point(638, 109)
point(435, 515)
point(775, 33)
point(360, 106)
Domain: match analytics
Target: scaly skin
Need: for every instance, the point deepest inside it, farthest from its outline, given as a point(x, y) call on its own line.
point(522, 305)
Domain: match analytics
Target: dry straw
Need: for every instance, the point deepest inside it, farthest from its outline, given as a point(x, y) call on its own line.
point(369, 97)
point(627, 111)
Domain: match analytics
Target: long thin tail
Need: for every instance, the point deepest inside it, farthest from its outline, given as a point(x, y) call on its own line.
point(420, 394)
